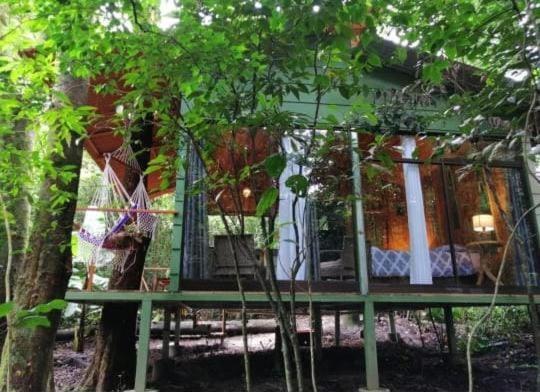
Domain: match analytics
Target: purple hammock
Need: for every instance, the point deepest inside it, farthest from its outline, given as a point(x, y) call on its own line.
point(103, 241)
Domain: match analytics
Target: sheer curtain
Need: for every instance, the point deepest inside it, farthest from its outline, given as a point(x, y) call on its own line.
point(196, 222)
point(420, 268)
point(525, 253)
point(290, 213)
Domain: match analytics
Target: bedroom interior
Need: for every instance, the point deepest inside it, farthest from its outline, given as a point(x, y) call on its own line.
point(440, 214)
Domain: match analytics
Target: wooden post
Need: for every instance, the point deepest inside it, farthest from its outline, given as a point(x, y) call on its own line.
point(358, 218)
point(278, 359)
point(90, 277)
point(394, 337)
point(450, 333)
point(177, 250)
point(337, 328)
point(194, 318)
point(317, 331)
point(370, 347)
point(79, 331)
point(144, 342)
point(166, 333)
point(177, 326)
point(223, 321)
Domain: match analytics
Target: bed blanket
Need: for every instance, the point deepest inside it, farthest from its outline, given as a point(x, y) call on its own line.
point(394, 263)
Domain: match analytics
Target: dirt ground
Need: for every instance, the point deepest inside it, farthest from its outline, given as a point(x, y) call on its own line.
point(413, 364)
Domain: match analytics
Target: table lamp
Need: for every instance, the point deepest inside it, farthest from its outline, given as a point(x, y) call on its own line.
point(483, 223)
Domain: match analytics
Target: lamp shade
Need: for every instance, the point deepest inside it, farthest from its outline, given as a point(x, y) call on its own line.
point(246, 192)
point(483, 223)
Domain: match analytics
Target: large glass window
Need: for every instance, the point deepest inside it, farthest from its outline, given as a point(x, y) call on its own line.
point(429, 219)
point(468, 214)
point(484, 206)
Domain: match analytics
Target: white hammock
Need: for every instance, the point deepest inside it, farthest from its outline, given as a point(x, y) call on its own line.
point(108, 234)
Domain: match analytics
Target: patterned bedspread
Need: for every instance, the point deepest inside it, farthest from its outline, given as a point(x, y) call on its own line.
point(387, 263)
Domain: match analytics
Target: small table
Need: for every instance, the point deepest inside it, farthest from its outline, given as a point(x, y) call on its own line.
point(487, 247)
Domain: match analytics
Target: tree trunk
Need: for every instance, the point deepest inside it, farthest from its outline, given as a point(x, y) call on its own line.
point(19, 209)
point(113, 364)
point(46, 267)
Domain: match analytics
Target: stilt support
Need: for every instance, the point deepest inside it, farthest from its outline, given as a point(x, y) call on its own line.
point(166, 333)
point(177, 326)
point(337, 327)
point(317, 331)
point(370, 349)
point(450, 333)
point(394, 337)
point(223, 322)
point(144, 345)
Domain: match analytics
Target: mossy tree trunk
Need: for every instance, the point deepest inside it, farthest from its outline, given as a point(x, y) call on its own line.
point(19, 209)
point(45, 269)
point(113, 363)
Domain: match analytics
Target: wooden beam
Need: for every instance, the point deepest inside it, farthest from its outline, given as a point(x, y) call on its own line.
point(455, 299)
point(143, 346)
point(127, 210)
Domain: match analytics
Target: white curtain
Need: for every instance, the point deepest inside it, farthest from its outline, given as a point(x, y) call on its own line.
point(288, 239)
point(420, 268)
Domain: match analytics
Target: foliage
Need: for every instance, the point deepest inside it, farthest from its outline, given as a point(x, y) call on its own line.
point(229, 65)
point(31, 318)
point(499, 38)
point(505, 323)
point(159, 252)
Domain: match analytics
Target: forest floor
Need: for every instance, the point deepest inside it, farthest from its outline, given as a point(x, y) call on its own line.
point(210, 364)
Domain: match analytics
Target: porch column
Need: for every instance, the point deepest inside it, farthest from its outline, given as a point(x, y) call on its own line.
point(420, 264)
point(177, 251)
point(370, 349)
point(143, 345)
point(361, 255)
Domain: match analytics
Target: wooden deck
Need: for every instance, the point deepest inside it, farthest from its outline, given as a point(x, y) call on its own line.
point(330, 294)
point(351, 286)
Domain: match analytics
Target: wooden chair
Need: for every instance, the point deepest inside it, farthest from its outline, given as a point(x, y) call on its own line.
point(344, 267)
point(158, 282)
point(223, 265)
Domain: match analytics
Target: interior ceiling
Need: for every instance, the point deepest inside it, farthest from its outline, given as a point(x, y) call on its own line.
point(231, 155)
point(103, 138)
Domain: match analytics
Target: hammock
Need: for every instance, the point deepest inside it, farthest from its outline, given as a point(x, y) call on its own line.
point(110, 234)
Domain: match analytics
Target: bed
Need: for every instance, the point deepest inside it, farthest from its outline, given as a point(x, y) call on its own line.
point(395, 263)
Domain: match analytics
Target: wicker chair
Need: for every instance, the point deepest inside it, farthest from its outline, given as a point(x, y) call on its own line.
point(344, 267)
point(223, 265)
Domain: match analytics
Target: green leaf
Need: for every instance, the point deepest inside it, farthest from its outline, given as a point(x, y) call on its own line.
point(385, 158)
point(434, 72)
point(298, 184)
point(374, 60)
point(400, 54)
point(268, 199)
point(55, 304)
point(153, 168)
point(344, 91)
point(34, 321)
point(274, 165)
point(451, 51)
point(5, 308)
